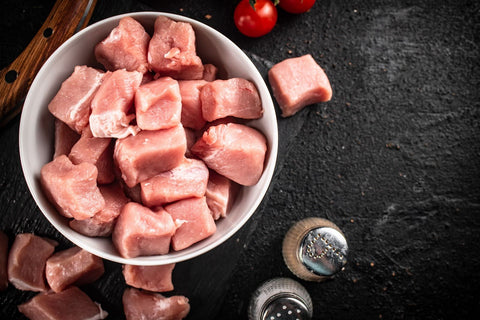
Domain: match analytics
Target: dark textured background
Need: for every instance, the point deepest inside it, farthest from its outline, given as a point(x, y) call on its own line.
point(392, 159)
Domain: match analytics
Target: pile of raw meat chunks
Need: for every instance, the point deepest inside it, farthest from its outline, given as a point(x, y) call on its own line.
point(32, 264)
point(151, 152)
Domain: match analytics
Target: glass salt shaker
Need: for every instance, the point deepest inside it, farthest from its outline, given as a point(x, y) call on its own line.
point(314, 249)
point(280, 298)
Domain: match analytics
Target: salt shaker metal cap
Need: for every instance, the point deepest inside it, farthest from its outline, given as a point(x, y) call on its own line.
point(280, 298)
point(314, 249)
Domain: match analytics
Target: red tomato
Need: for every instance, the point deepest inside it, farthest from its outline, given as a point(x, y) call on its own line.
point(296, 6)
point(258, 22)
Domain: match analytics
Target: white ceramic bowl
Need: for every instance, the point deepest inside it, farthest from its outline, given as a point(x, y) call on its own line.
point(37, 134)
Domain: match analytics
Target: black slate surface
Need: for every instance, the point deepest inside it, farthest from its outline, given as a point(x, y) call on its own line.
point(392, 159)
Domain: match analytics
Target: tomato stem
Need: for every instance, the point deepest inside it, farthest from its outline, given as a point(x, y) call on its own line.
point(253, 2)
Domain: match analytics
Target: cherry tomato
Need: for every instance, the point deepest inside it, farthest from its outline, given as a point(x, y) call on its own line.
point(296, 6)
point(258, 22)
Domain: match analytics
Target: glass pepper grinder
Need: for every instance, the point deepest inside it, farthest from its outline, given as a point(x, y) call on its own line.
point(280, 298)
point(314, 249)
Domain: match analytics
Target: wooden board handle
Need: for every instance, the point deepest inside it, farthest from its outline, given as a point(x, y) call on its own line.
point(66, 18)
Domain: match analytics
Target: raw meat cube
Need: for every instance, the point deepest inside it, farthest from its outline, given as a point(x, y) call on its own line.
point(26, 261)
point(298, 82)
point(152, 278)
point(158, 104)
point(172, 51)
point(193, 220)
point(188, 179)
point(233, 97)
point(102, 223)
point(144, 305)
point(71, 304)
point(191, 105)
point(73, 266)
point(112, 105)
point(141, 232)
point(149, 153)
point(72, 102)
point(233, 150)
point(97, 151)
point(209, 72)
point(72, 188)
point(220, 194)
point(125, 47)
point(3, 261)
point(65, 138)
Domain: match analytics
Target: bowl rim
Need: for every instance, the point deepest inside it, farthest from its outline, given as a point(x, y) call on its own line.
point(75, 238)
